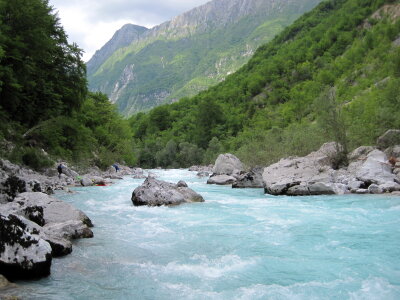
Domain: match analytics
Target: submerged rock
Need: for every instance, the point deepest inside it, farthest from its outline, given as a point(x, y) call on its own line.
point(155, 192)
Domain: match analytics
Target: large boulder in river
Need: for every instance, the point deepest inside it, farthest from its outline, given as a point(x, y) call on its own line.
point(23, 254)
point(252, 179)
point(305, 171)
point(154, 192)
point(227, 164)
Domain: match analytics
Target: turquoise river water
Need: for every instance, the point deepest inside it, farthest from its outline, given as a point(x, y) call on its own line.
point(239, 244)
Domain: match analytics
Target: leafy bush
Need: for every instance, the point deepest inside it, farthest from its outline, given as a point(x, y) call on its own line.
point(35, 159)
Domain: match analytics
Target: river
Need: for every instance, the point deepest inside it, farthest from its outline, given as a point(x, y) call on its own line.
point(238, 244)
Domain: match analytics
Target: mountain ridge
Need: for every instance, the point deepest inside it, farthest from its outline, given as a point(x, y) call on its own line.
point(191, 52)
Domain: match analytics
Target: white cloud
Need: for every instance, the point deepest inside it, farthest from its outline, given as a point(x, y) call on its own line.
point(91, 23)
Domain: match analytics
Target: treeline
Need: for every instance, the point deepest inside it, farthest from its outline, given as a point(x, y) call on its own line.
point(44, 102)
point(332, 75)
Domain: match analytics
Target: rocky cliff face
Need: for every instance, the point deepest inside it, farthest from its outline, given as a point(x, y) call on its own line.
point(122, 38)
point(189, 53)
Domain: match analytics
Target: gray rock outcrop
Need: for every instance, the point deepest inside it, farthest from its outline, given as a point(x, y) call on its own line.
point(252, 179)
point(227, 164)
point(51, 220)
point(155, 192)
point(369, 171)
point(300, 171)
point(23, 253)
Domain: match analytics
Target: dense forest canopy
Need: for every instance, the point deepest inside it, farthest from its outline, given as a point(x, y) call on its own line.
point(332, 75)
point(44, 102)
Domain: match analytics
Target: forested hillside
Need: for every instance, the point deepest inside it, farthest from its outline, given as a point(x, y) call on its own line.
point(332, 75)
point(45, 109)
point(190, 53)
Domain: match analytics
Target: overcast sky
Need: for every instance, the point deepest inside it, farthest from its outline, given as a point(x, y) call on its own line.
point(91, 23)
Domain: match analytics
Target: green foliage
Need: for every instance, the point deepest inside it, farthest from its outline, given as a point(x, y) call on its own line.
point(36, 159)
point(179, 64)
point(41, 75)
point(281, 102)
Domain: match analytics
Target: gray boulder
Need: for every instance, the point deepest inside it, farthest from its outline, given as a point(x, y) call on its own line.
point(227, 164)
point(155, 192)
point(85, 181)
point(181, 183)
point(23, 254)
point(221, 180)
point(360, 153)
point(375, 169)
point(56, 221)
point(69, 172)
point(314, 168)
point(54, 210)
point(375, 189)
point(389, 139)
point(252, 179)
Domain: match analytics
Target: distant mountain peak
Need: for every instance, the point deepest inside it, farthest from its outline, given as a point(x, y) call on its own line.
point(121, 38)
point(189, 53)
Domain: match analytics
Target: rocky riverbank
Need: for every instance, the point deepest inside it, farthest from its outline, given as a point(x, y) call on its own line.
point(35, 227)
point(370, 170)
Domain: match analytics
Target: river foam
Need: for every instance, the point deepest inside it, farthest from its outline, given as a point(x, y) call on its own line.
point(238, 244)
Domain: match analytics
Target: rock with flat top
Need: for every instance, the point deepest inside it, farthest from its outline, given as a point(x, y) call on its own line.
point(316, 167)
point(154, 192)
point(221, 180)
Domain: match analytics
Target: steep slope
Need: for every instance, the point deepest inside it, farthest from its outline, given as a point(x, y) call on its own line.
point(191, 52)
point(333, 74)
point(122, 38)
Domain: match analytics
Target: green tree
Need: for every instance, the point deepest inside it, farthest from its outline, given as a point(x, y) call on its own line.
point(42, 75)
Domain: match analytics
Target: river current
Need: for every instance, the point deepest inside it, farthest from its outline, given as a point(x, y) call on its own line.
point(238, 244)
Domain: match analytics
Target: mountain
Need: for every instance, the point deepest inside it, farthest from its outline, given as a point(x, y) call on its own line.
point(334, 74)
point(122, 38)
point(193, 51)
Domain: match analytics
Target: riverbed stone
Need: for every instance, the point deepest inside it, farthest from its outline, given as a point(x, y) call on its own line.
point(221, 180)
point(154, 192)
